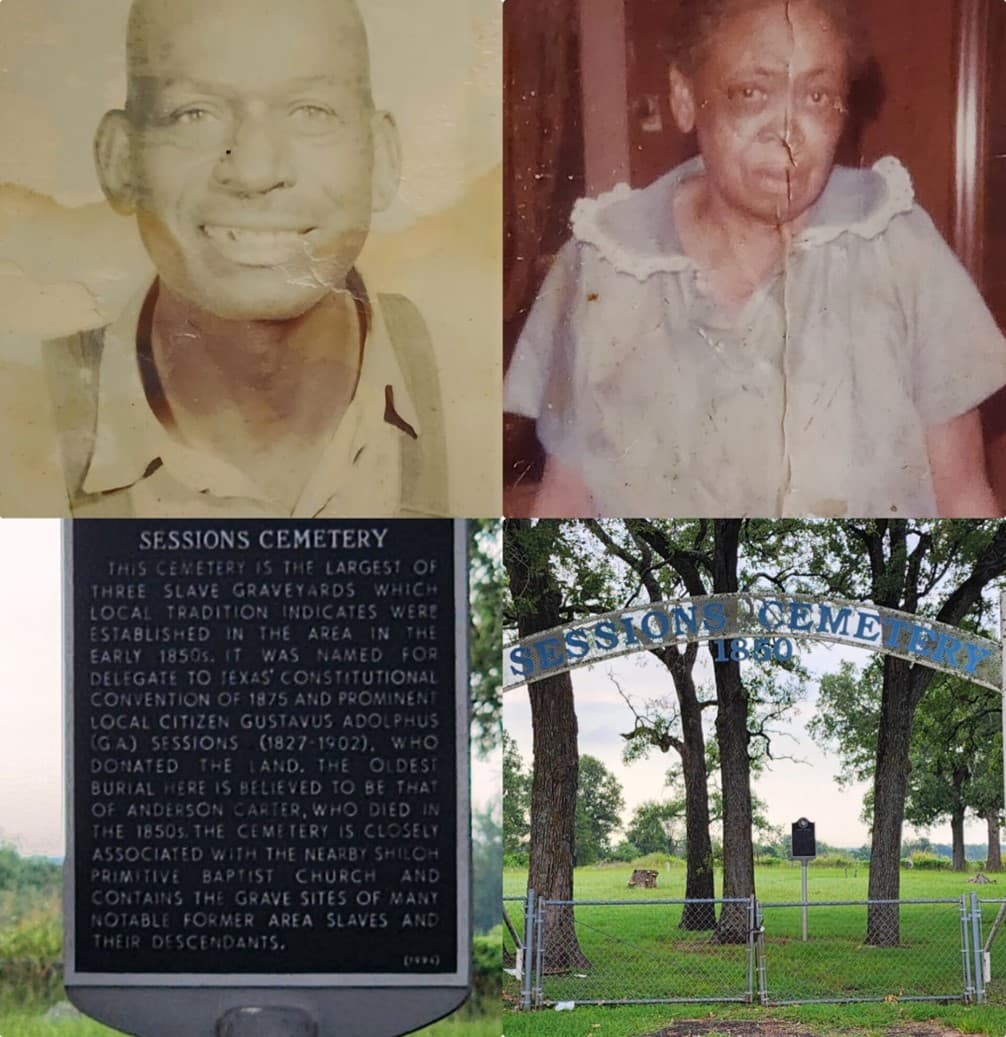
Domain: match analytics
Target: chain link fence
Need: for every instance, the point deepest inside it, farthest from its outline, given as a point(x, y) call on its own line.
point(919, 951)
point(600, 951)
point(992, 946)
point(794, 952)
point(514, 951)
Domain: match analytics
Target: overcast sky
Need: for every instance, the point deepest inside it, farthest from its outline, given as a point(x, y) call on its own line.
point(31, 752)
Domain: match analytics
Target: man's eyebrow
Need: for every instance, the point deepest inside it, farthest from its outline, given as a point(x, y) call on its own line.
point(205, 86)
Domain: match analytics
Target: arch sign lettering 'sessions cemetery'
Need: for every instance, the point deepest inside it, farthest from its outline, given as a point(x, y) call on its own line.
point(267, 739)
point(756, 626)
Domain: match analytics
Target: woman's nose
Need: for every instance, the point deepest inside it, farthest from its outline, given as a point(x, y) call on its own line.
point(783, 124)
point(257, 160)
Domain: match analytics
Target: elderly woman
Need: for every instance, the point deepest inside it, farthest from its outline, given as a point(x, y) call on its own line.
point(760, 332)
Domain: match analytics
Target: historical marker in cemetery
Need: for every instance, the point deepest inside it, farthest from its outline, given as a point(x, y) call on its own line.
point(802, 841)
point(267, 757)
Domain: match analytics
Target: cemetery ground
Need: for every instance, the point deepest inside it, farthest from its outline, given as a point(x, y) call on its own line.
point(648, 937)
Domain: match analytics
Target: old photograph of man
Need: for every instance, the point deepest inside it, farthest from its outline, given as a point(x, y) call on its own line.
point(288, 302)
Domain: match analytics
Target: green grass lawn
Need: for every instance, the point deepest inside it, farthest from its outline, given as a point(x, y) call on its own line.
point(773, 883)
point(636, 952)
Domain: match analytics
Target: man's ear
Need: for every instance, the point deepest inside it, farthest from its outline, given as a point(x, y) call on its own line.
point(113, 158)
point(683, 103)
point(387, 160)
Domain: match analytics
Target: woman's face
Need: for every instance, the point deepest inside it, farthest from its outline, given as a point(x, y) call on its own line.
point(768, 104)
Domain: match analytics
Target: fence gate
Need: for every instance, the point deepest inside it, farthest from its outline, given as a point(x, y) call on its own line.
point(933, 959)
point(662, 951)
point(636, 952)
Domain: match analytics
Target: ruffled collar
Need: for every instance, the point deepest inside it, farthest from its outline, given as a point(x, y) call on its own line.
point(634, 229)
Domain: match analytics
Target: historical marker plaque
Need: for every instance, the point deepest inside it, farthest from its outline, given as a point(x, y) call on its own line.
point(267, 754)
point(803, 843)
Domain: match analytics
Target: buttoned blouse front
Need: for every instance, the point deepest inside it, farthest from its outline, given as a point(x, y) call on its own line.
point(814, 399)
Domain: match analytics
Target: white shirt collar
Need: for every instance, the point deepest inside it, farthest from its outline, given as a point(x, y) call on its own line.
point(634, 229)
point(130, 442)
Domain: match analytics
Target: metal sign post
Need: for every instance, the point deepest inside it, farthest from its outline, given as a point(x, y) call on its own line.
point(803, 847)
point(804, 865)
point(267, 762)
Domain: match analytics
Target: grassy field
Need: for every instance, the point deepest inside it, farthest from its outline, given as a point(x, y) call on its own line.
point(638, 952)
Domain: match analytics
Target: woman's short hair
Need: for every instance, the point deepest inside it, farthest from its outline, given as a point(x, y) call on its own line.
point(696, 23)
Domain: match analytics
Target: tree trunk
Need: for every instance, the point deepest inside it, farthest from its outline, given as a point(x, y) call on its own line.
point(896, 582)
point(553, 810)
point(735, 764)
point(699, 859)
point(738, 851)
point(994, 860)
point(890, 785)
point(957, 838)
point(691, 747)
point(957, 820)
point(537, 598)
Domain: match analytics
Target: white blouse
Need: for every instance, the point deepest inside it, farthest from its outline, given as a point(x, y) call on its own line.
point(814, 399)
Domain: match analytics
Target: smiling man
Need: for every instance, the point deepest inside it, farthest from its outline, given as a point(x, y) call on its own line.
point(257, 374)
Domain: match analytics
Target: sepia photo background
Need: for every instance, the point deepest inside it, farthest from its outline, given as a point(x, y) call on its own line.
point(67, 262)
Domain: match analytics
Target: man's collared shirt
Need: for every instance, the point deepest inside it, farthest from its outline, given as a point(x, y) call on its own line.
point(134, 455)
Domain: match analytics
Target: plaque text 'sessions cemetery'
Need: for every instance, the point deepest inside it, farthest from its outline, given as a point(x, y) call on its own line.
point(268, 751)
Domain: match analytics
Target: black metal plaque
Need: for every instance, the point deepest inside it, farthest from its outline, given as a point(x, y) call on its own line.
point(803, 841)
point(267, 732)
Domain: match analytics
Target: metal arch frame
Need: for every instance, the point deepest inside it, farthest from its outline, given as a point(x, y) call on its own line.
point(741, 613)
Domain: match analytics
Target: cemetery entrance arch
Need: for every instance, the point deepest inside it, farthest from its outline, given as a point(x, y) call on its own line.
point(758, 627)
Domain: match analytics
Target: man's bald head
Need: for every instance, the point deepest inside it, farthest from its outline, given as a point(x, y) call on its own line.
point(161, 32)
point(250, 151)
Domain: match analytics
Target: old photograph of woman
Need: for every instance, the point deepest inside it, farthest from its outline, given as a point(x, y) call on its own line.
point(760, 330)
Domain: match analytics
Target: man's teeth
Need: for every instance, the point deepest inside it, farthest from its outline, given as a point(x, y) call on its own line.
point(242, 235)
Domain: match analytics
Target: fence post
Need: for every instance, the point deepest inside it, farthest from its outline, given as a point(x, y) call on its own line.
point(760, 954)
point(976, 945)
point(539, 936)
point(752, 925)
point(525, 993)
point(969, 990)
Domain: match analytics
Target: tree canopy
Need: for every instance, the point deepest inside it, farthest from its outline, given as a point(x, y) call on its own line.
point(486, 630)
point(599, 805)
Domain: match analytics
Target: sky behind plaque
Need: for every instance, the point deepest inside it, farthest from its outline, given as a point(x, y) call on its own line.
point(31, 682)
